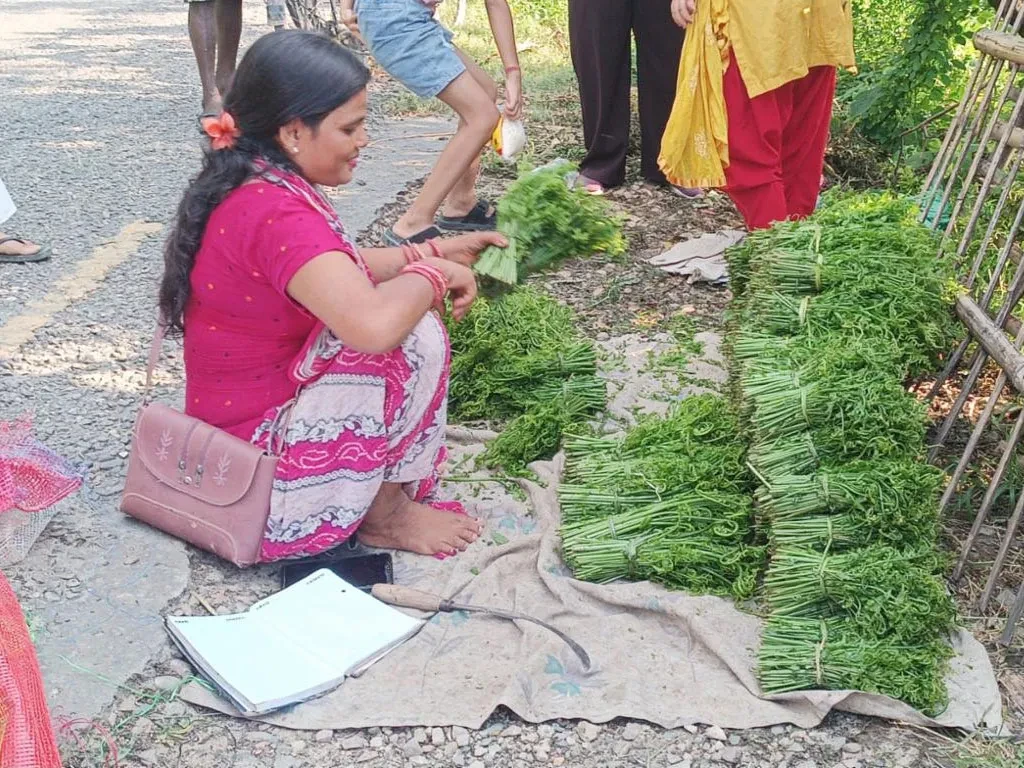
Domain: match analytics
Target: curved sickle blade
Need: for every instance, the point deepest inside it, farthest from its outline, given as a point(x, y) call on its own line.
point(584, 657)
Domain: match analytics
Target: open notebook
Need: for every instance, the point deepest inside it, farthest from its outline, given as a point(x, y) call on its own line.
point(293, 646)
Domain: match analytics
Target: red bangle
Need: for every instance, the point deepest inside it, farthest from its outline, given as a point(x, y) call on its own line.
point(435, 248)
point(411, 253)
point(510, 70)
point(433, 275)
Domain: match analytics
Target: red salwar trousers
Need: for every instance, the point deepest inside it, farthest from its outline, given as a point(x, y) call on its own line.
point(777, 145)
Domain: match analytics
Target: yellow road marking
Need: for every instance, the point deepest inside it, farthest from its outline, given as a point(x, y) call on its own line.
point(84, 280)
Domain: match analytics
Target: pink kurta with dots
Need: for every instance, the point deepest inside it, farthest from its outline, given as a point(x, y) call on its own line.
point(243, 330)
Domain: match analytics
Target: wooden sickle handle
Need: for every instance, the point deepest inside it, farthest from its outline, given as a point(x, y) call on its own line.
point(404, 597)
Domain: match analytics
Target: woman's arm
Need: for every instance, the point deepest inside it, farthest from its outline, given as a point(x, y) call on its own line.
point(386, 263)
point(503, 29)
point(374, 318)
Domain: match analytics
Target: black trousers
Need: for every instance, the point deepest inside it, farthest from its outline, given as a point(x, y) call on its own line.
point(600, 34)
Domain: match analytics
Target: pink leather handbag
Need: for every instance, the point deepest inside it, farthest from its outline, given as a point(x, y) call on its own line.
point(195, 481)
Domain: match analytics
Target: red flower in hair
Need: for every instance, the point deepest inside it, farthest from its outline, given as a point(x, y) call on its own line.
point(222, 130)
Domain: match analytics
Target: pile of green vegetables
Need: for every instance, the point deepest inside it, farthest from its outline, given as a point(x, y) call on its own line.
point(519, 360)
point(670, 502)
point(830, 317)
point(547, 221)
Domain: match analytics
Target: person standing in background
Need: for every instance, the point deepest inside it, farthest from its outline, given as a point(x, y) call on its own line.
point(215, 28)
point(410, 44)
point(754, 101)
point(600, 33)
point(16, 250)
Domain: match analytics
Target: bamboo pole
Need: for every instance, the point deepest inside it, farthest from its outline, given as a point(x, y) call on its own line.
point(954, 359)
point(972, 174)
point(986, 505)
point(1011, 525)
point(993, 340)
point(1005, 46)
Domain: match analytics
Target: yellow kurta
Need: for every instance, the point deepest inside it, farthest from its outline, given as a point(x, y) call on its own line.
point(774, 41)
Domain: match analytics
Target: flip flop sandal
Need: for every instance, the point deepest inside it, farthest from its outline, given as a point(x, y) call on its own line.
point(420, 237)
point(591, 187)
point(23, 258)
point(482, 218)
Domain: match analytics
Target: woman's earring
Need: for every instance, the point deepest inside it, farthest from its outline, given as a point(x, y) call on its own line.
point(295, 150)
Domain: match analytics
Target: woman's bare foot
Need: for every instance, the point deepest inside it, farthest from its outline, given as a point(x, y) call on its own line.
point(397, 522)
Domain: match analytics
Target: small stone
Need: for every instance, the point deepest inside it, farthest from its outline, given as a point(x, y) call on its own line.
point(541, 755)
point(53, 597)
point(545, 731)
point(298, 747)
point(1005, 598)
point(778, 730)
point(479, 751)
point(322, 737)
point(715, 733)
point(852, 748)
point(558, 760)
point(286, 761)
point(530, 737)
point(459, 761)
point(419, 760)
point(428, 748)
point(437, 737)
point(149, 757)
point(988, 530)
point(179, 668)
point(690, 728)
point(412, 748)
point(622, 748)
point(143, 729)
point(377, 742)
point(166, 683)
point(731, 755)
point(127, 705)
point(450, 749)
point(513, 731)
point(735, 740)
point(477, 764)
point(461, 736)
point(351, 743)
point(420, 735)
point(588, 731)
point(175, 709)
point(632, 731)
point(260, 736)
point(835, 743)
point(367, 756)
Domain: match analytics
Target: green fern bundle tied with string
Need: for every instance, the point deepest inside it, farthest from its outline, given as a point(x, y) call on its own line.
point(546, 222)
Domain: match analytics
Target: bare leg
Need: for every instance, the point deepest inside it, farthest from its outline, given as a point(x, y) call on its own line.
point(397, 522)
point(478, 116)
point(202, 30)
point(462, 198)
point(229, 32)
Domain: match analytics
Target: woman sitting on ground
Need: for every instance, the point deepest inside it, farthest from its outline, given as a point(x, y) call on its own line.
point(272, 295)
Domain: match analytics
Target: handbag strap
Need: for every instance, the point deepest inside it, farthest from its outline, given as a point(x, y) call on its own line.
point(278, 428)
point(154, 357)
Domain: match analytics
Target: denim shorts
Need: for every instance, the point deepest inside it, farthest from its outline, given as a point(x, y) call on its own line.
point(410, 44)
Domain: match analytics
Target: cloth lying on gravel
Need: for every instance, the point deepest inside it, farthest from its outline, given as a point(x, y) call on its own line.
point(666, 657)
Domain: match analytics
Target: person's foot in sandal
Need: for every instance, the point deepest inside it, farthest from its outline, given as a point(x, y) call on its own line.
point(589, 185)
point(17, 250)
point(394, 240)
point(482, 217)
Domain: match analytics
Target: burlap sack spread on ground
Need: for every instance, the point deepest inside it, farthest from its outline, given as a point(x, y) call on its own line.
point(665, 657)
